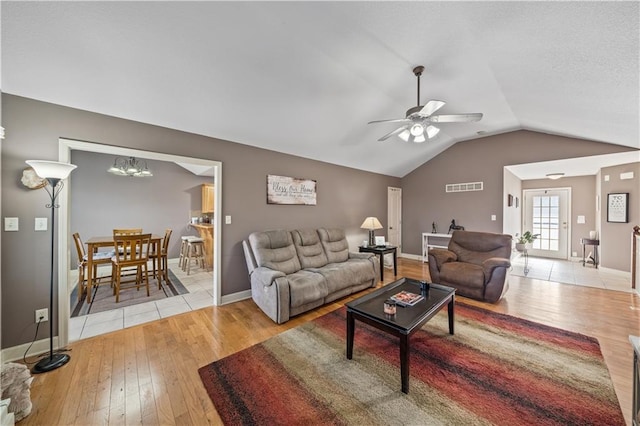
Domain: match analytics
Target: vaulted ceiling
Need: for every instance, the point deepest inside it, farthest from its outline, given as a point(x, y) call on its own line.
point(305, 77)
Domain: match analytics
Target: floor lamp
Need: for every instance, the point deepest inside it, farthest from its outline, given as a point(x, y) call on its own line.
point(54, 172)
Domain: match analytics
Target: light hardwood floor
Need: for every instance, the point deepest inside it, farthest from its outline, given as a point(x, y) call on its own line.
point(148, 374)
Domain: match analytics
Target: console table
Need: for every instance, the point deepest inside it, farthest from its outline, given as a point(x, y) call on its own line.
point(590, 242)
point(431, 240)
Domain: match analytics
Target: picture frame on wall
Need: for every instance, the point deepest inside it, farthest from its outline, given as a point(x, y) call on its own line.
point(618, 207)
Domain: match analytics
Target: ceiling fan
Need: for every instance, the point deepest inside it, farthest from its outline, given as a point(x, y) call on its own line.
point(419, 118)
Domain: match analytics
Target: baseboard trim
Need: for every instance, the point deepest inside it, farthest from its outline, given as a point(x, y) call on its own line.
point(410, 256)
point(17, 352)
point(236, 297)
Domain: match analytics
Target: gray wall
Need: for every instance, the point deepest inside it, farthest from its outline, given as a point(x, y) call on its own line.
point(423, 190)
point(101, 201)
point(583, 202)
point(615, 238)
point(345, 196)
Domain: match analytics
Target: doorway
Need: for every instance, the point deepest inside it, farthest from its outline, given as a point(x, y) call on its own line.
point(65, 147)
point(546, 212)
point(394, 217)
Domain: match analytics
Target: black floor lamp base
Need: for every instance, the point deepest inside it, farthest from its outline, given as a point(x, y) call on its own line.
point(50, 363)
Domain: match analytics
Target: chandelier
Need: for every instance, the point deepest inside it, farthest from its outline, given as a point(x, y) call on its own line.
point(130, 167)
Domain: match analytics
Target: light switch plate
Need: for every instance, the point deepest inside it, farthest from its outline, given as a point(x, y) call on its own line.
point(493, 217)
point(227, 220)
point(41, 224)
point(11, 223)
point(581, 219)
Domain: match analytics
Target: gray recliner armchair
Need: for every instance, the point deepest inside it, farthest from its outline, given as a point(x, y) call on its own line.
point(477, 264)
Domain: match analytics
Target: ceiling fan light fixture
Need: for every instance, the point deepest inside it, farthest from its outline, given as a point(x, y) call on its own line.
point(418, 118)
point(432, 131)
point(417, 129)
point(555, 176)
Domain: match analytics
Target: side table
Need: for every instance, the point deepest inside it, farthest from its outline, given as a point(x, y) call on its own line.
point(381, 251)
point(590, 242)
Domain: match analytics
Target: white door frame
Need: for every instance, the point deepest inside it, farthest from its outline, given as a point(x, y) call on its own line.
point(64, 155)
point(390, 207)
point(526, 208)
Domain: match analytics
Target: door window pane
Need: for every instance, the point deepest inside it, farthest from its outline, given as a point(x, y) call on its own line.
point(546, 222)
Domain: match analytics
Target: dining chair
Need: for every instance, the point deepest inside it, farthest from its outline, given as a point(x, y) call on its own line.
point(159, 259)
point(100, 257)
point(131, 254)
point(126, 231)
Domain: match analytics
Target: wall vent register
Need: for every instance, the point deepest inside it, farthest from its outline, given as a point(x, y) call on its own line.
point(464, 187)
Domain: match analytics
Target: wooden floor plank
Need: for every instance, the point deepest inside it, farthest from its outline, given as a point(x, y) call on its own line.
point(148, 373)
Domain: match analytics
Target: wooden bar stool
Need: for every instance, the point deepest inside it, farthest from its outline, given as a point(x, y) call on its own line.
point(195, 251)
point(183, 251)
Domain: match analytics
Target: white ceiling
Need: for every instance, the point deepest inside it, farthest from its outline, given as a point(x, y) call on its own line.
point(305, 77)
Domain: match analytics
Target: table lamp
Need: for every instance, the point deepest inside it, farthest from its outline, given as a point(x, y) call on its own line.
point(371, 223)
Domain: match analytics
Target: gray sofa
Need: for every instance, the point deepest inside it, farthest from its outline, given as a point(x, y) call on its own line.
point(293, 272)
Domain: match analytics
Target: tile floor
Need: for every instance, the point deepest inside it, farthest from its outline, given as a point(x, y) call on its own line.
point(571, 272)
point(200, 286)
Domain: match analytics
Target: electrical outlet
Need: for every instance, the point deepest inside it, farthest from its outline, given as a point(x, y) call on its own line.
point(42, 313)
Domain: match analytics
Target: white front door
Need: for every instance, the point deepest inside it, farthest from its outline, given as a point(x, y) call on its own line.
point(394, 217)
point(546, 212)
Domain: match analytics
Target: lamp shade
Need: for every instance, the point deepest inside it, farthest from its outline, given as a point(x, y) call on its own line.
point(51, 169)
point(371, 223)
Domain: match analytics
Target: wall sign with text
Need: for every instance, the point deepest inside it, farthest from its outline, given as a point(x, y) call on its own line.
point(288, 190)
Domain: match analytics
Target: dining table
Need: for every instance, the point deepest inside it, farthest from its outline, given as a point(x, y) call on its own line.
point(95, 243)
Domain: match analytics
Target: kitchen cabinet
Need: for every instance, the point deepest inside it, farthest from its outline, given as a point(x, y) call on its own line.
point(207, 197)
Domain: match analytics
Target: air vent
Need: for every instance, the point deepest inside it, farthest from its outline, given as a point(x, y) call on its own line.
point(464, 187)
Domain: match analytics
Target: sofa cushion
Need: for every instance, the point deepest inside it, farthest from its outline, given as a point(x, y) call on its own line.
point(306, 287)
point(346, 274)
point(309, 248)
point(460, 273)
point(335, 244)
point(275, 250)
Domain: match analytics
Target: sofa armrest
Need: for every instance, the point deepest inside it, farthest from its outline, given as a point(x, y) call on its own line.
point(354, 255)
point(492, 263)
point(441, 256)
point(266, 276)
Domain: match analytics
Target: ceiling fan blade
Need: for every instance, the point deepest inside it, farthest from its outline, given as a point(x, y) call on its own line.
point(431, 107)
point(395, 132)
point(456, 118)
point(394, 120)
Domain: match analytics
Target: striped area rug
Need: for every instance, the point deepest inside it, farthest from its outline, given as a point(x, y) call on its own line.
point(496, 369)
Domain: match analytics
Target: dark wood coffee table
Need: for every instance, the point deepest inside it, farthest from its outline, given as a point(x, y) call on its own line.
point(406, 321)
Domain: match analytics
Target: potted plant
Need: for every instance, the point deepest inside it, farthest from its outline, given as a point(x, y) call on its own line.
point(525, 240)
